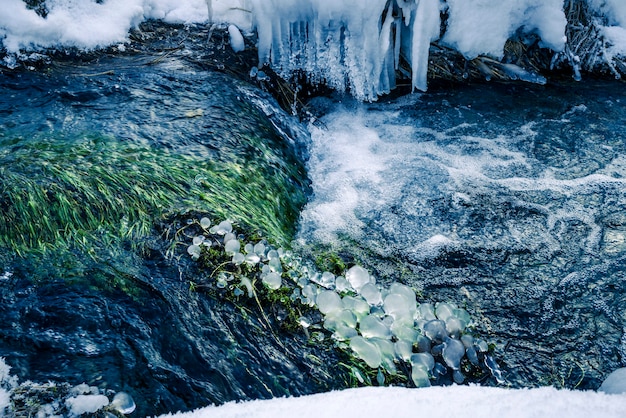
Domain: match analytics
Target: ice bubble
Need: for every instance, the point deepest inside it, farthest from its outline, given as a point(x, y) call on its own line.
point(273, 280)
point(229, 236)
point(205, 223)
point(232, 246)
point(327, 280)
point(197, 240)
point(467, 340)
point(224, 228)
point(371, 327)
point(252, 259)
point(380, 378)
point(482, 345)
point(366, 351)
point(435, 330)
point(420, 376)
point(238, 292)
point(272, 254)
point(463, 316)
point(387, 353)
point(423, 344)
point(437, 350)
point(341, 284)
point(426, 312)
point(309, 291)
point(439, 370)
point(444, 310)
point(344, 333)
point(358, 277)
point(123, 403)
point(472, 356)
point(424, 359)
point(404, 349)
point(248, 248)
point(403, 332)
point(398, 305)
point(458, 377)
point(259, 249)
point(337, 318)
point(86, 404)
point(615, 383)
point(276, 265)
point(406, 291)
point(371, 294)
point(238, 258)
point(328, 301)
point(454, 326)
point(357, 305)
point(194, 251)
point(453, 352)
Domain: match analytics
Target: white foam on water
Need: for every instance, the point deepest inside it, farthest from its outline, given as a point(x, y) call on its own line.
point(345, 160)
point(379, 176)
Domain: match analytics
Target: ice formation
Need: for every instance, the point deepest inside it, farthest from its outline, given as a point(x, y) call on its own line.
point(383, 327)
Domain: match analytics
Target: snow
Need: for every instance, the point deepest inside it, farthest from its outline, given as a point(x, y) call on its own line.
point(479, 27)
point(473, 401)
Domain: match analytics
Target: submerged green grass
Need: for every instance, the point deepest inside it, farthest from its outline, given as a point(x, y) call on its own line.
point(95, 190)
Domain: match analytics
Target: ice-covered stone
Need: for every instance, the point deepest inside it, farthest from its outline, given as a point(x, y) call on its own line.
point(458, 377)
point(238, 258)
point(366, 350)
point(205, 223)
point(423, 344)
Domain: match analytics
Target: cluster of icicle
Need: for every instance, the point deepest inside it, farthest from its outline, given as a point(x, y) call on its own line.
point(382, 327)
point(346, 43)
point(357, 45)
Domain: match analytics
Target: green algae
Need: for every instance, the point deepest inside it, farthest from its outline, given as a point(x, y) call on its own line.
point(92, 190)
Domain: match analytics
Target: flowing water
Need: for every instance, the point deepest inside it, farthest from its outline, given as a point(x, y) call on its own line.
point(508, 200)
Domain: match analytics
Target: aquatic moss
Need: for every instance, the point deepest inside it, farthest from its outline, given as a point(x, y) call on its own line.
point(94, 190)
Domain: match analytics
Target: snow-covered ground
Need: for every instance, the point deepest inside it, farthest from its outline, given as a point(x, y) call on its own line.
point(452, 401)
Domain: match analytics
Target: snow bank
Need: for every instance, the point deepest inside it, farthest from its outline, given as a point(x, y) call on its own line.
point(86, 24)
point(472, 401)
point(477, 27)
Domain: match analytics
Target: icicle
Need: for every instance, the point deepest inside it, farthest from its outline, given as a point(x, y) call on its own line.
point(425, 29)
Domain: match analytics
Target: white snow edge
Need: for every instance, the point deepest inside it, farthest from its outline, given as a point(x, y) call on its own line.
point(472, 401)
